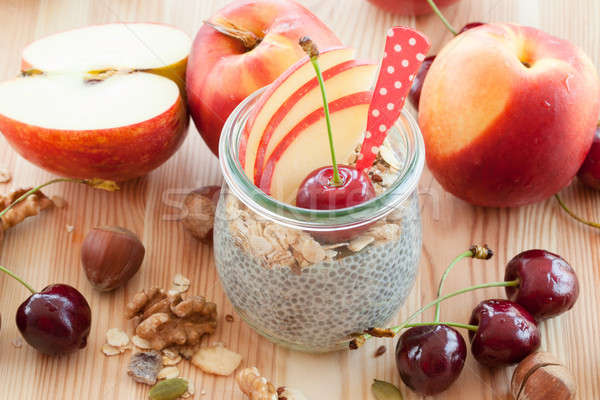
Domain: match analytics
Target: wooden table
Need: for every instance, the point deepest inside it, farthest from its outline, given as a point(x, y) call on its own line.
point(43, 251)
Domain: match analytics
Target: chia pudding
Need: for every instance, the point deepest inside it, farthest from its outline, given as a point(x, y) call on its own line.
point(317, 306)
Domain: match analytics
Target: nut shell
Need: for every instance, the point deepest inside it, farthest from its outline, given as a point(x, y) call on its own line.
point(541, 376)
point(110, 256)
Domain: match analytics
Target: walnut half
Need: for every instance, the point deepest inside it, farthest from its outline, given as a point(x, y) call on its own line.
point(170, 320)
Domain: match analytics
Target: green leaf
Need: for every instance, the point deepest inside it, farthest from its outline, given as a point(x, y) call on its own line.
point(385, 391)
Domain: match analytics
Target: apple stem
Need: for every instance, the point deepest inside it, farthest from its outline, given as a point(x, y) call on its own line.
point(103, 184)
point(444, 20)
point(391, 332)
point(575, 216)
point(248, 38)
point(476, 251)
point(12, 275)
point(311, 49)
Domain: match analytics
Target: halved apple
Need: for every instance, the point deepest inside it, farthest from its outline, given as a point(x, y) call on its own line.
point(306, 147)
point(276, 94)
point(116, 128)
point(156, 48)
point(342, 80)
point(83, 107)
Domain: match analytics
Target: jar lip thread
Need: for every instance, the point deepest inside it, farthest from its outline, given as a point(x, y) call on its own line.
point(317, 220)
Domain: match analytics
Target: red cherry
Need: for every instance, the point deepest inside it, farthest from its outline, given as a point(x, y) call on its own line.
point(430, 358)
point(317, 192)
point(506, 333)
point(469, 26)
point(548, 285)
point(589, 173)
point(55, 320)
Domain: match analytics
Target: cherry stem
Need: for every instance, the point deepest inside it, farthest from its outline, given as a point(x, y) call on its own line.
point(444, 20)
point(453, 324)
point(12, 275)
point(575, 216)
point(313, 53)
point(109, 186)
point(476, 251)
point(358, 341)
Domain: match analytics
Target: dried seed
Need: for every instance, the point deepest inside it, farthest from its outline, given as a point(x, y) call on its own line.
point(389, 156)
point(109, 350)
point(69, 228)
point(385, 391)
point(229, 318)
point(181, 280)
point(59, 202)
point(217, 360)
point(141, 343)
point(168, 361)
point(380, 351)
point(376, 178)
point(144, 366)
point(169, 389)
point(5, 175)
point(117, 338)
point(170, 353)
point(168, 373)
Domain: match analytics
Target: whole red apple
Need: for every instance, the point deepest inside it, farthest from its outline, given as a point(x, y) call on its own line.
point(508, 114)
point(244, 47)
point(410, 7)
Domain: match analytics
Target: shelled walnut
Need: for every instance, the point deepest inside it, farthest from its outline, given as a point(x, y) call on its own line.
point(169, 319)
point(257, 387)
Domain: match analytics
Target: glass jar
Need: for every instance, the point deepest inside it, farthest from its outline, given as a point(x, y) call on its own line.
point(296, 291)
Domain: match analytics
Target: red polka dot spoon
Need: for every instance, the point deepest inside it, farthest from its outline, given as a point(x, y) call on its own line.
point(405, 50)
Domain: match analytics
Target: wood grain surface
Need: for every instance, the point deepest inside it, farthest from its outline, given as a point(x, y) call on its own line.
point(43, 252)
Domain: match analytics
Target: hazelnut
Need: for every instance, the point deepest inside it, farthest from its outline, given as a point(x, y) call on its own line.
point(111, 256)
point(200, 206)
point(541, 376)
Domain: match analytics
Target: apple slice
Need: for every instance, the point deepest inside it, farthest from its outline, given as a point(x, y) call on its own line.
point(158, 48)
point(288, 83)
point(116, 127)
point(306, 147)
point(342, 80)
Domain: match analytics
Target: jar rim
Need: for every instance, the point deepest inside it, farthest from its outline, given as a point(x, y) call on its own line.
point(318, 220)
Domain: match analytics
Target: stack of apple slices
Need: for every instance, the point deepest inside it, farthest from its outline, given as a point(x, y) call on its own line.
point(99, 102)
point(286, 134)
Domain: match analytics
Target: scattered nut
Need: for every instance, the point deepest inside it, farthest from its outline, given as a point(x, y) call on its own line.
point(168, 373)
point(17, 342)
point(144, 367)
point(541, 376)
point(217, 360)
point(200, 206)
point(69, 228)
point(141, 343)
point(171, 320)
point(380, 351)
point(117, 338)
point(255, 386)
point(111, 256)
point(5, 175)
point(110, 350)
point(58, 201)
